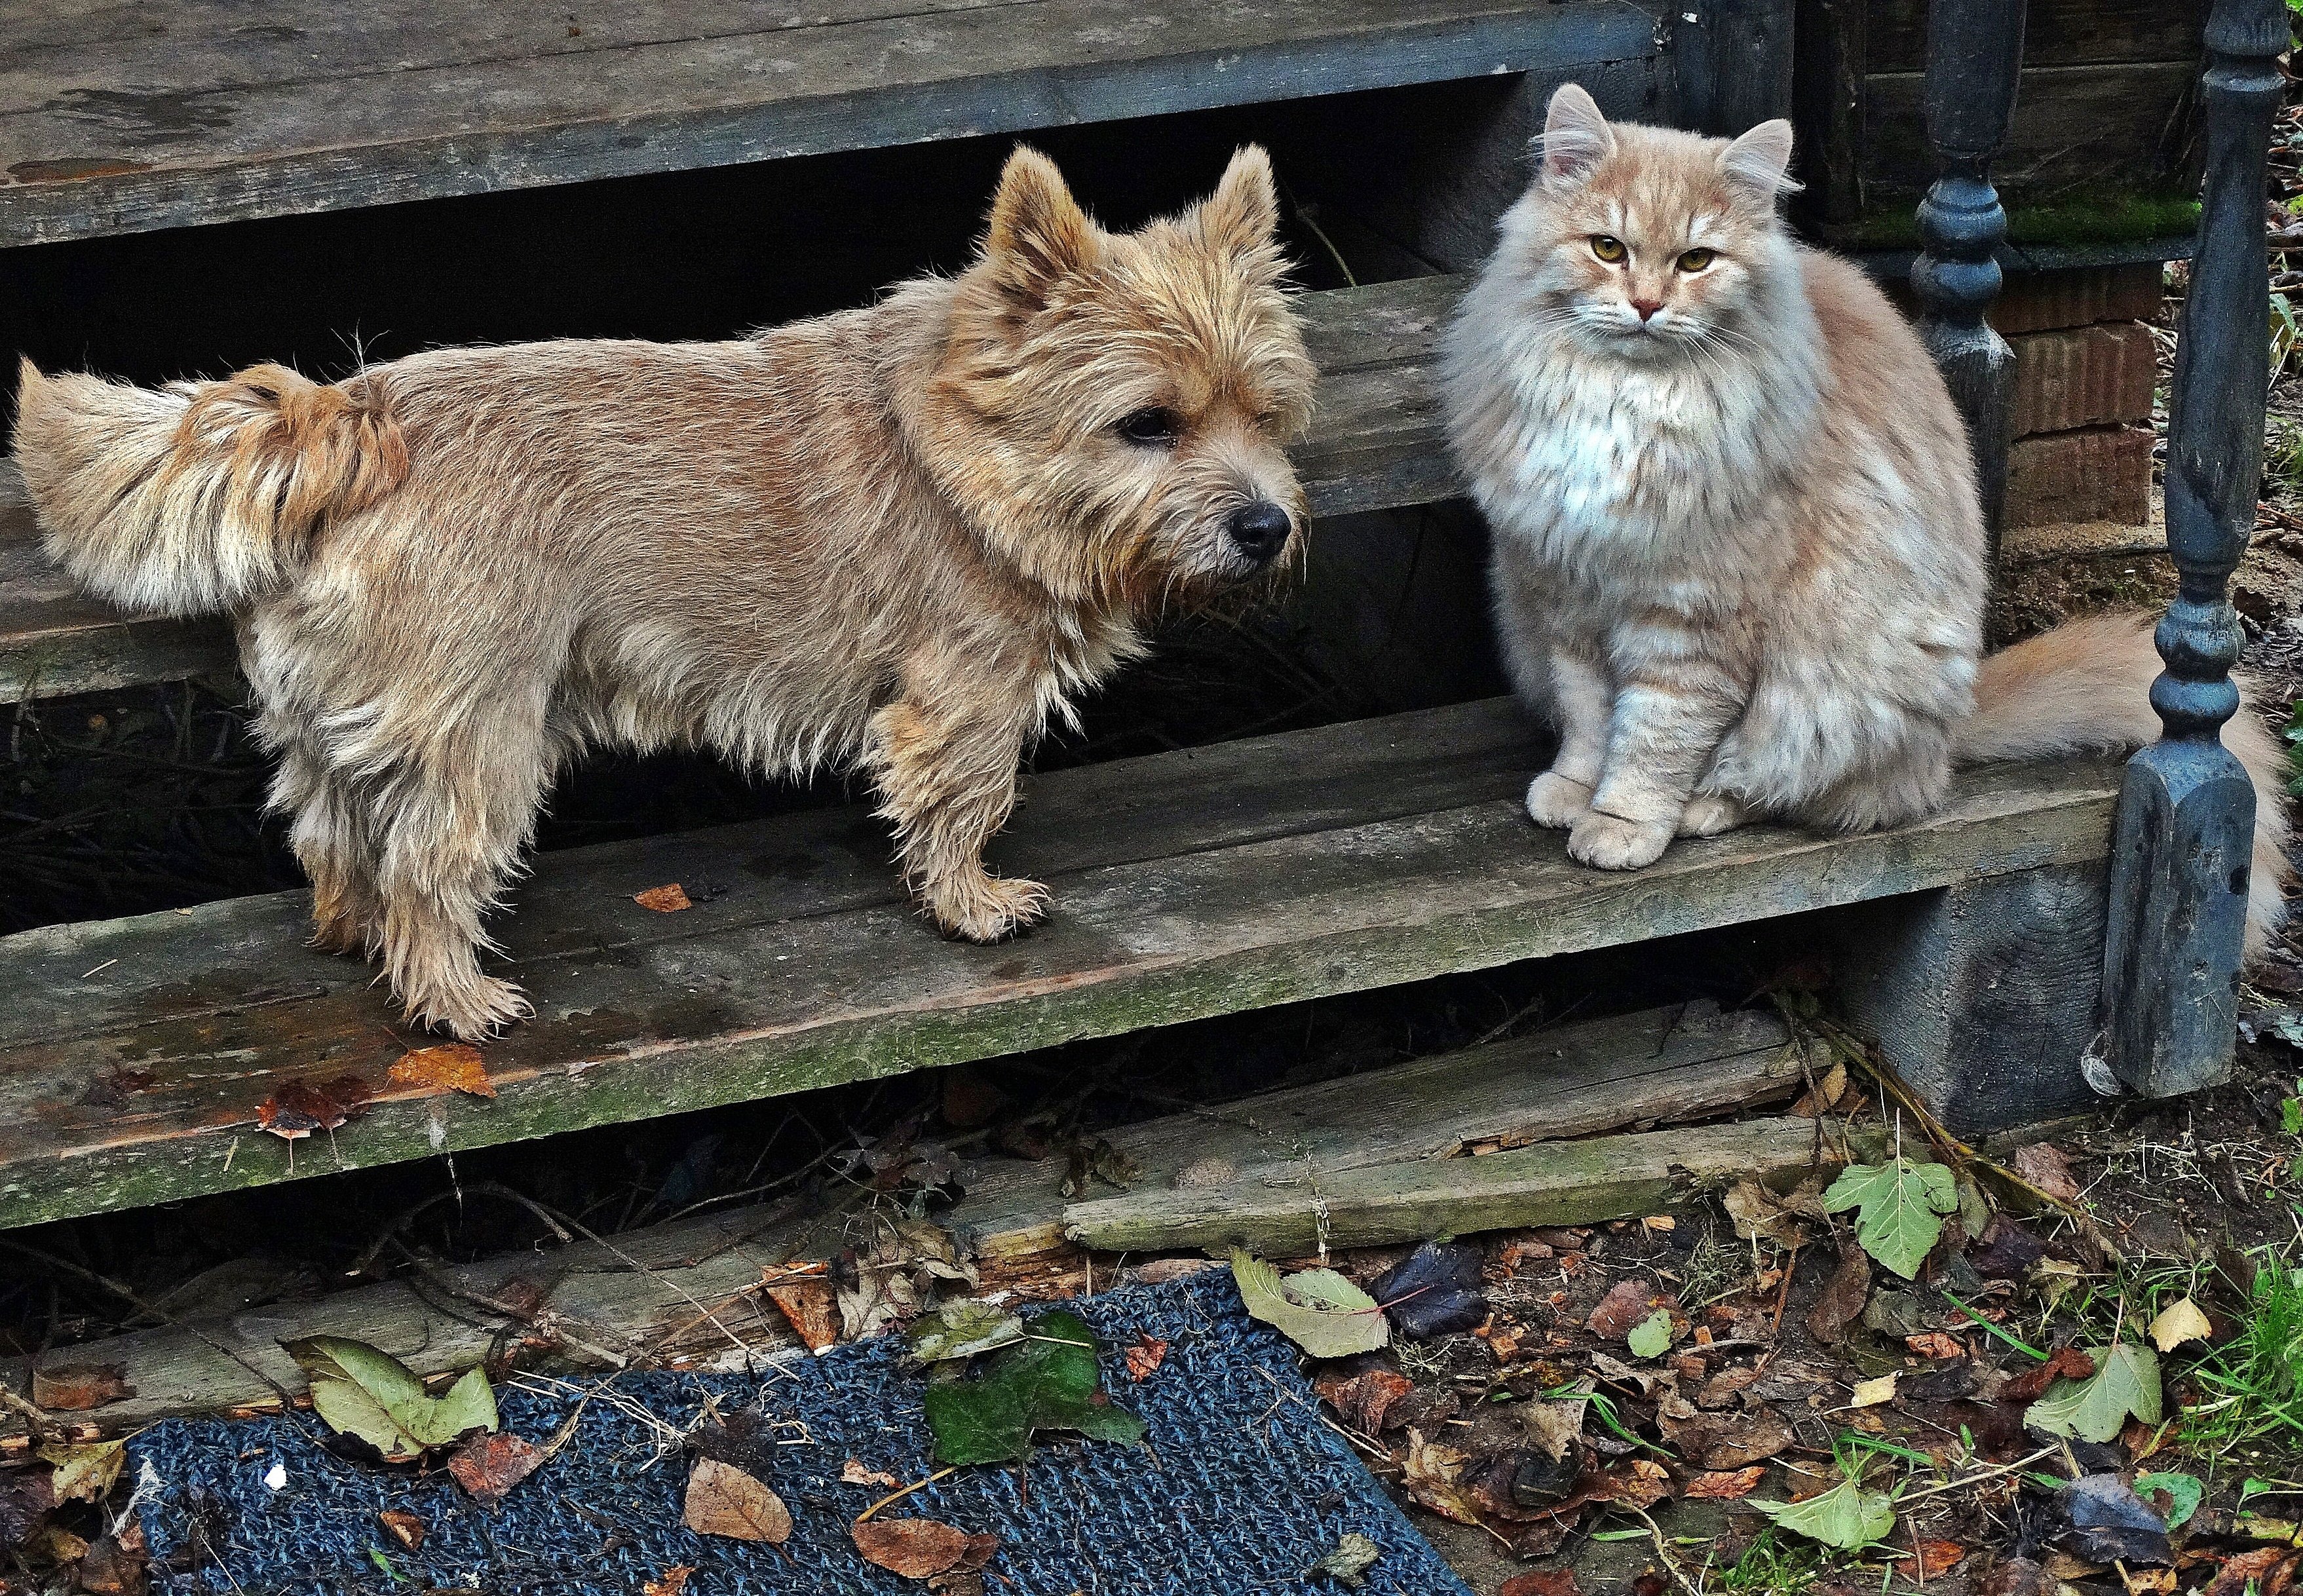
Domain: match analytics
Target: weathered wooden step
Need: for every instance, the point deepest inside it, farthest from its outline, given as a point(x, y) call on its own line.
point(119, 117)
point(1376, 443)
point(134, 1055)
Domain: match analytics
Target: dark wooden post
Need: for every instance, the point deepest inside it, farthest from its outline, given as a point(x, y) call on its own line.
point(1975, 52)
point(2186, 811)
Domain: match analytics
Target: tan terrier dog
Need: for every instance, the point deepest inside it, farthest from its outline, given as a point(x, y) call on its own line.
point(900, 538)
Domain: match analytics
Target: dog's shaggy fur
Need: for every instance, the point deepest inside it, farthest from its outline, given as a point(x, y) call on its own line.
point(901, 537)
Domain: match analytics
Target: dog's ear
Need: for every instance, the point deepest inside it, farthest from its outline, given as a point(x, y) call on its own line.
point(1039, 235)
point(1243, 214)
point(1576, 138)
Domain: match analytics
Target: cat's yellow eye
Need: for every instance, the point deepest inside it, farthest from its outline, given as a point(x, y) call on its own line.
point(1610, 249)
point(1695, 260)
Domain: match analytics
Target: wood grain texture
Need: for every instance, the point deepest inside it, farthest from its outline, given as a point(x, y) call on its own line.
point(127, 118)
point(2055, 33)
point(2077, 131)
point(641, 1298)
point(1187, 885)
point(1378, 442)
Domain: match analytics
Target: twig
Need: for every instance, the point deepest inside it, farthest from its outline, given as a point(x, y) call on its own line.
point(45, 1425)
point(898, 1496)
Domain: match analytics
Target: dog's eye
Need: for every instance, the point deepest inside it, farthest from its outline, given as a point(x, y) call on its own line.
point(1607, 248)
point(1153, 426)
point(1695, 260)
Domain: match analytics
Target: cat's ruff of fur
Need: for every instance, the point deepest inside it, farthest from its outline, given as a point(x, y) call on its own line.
point(902, 537)
point(1739, 557)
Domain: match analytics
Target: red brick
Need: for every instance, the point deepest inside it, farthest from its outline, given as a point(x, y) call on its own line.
point(2096, 473)
point(2083, 376)
point(2042, 301)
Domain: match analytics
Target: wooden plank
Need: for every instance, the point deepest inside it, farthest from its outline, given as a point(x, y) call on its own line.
point(1557, 1183)
point(140, 1083)
point(2077, 131)
point(2055, 33)
point(1379, 442)
point(642, 1298)
point(109, 131)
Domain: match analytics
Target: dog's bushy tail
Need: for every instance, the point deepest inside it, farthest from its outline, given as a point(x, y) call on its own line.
point(200, 497)
point(2084, 688)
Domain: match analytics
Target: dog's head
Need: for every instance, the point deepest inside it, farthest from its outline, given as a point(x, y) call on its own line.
point(1114, 406)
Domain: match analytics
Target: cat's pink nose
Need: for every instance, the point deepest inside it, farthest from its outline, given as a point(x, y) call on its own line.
point(1646, 308)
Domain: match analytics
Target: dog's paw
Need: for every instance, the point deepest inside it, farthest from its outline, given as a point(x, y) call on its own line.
point(1557, 801)
point(1709, 814)
point(1605, 842)
point(990, 909)
point(473, 1011)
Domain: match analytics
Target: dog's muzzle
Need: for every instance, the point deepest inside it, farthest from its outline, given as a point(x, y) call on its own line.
point(1260, 530)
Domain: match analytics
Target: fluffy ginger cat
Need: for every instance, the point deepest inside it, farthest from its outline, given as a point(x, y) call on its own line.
point(1739, 556)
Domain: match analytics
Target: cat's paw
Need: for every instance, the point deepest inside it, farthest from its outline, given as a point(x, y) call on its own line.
point(1709, 814)
point(1605, 842)
point(1557, 801)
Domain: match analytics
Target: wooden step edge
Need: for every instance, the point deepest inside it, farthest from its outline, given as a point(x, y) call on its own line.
point(688, 1292)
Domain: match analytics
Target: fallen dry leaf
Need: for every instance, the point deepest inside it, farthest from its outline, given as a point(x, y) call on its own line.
point(724, 1500)
point(453, 1066)
point(854, 1472)
point(405, 1528)
point(297, 1108)
point(489, 1466)
point(116, 1568)
point(921, 1548)
point(1641, 1482)
point(2263, 1570)
point(1725, 1487)
point(1935, 1344)
point(2180, 1321)
point(1841, 1302)
point(1365, 1400)
point(672, 1582)
point(1542, 1582)
point(1936, 1556)
point(2067, 1363)
point(668, 900)
point(2044, 1165)
point(1628, 1303)
point(1144, 1358)
point(1871, 1393)
point(76, 1388)
point(1429, 1472)
point(811, 1308)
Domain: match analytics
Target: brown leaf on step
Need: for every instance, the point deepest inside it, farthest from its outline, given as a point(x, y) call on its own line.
point(1626, 1304)
point(453, 1066)
point(854, 1472)
point(1844, 1296)
point(1935, 1344)
point(1144, 1358)
point(1542, 1582)
point(490, 1465)
point(2044, 1165)
point(297, 1108)
point(724, 1500)
point(405, 1528)
point(673, 1582)
point(115, 1567)
point(76, 1388)
point(1364, 1401)
point(811, 1308)
point(668, 900)
point(1429, 1472)
point(921, 1548)
point(2068, 1363)
point(1937, 1556)
point(1726, 1487)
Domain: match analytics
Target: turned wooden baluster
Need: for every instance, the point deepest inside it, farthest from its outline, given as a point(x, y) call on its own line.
point(2186, 811)
point(1975, 52)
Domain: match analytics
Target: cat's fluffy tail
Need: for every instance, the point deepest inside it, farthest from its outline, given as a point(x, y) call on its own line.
point(2084, 688)
point(203, 496)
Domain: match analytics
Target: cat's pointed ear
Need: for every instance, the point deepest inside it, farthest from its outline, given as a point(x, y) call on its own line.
point(1759, 162)
point(1576, 138)
point(1243, 214)
point(1038, 234)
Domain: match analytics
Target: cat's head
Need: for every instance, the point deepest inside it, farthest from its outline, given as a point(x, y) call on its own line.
point(1648, 241)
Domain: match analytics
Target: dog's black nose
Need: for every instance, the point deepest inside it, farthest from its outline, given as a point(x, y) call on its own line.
point(1260, 530)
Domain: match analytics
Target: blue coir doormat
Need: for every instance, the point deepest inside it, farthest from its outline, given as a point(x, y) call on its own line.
point(1239, 1489)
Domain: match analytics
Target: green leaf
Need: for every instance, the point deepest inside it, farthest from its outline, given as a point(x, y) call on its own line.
point(964, 1330)
point(1050, 1379)
point(1319, 1310)
point(372, 1396)
point(2183, 1492)
point(1846, 1517)
point(2125, 1381)
point(1902, 1208)
point(1651, 1336)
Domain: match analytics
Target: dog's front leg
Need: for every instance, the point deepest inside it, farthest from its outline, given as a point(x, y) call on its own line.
point(947, 783)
